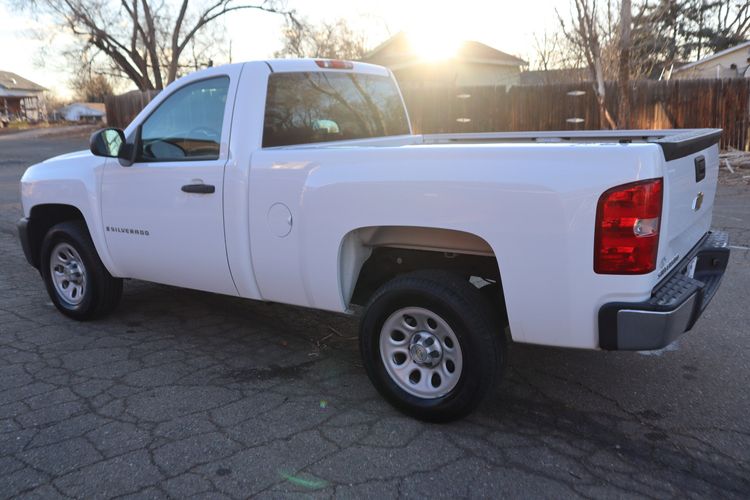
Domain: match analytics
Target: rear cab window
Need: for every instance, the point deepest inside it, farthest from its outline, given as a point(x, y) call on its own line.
point(313, 107)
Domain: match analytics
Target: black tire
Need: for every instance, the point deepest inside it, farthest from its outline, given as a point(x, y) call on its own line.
point(493, 294)
point(102, 291)
point(459, 304)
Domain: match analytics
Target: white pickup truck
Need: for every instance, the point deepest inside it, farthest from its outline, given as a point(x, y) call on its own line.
point(300, 182)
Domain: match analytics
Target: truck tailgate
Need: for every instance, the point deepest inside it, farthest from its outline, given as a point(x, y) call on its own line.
point(690, 175)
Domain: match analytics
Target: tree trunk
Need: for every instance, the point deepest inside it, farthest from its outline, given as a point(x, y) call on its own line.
point(600, 90)
point(623, 114)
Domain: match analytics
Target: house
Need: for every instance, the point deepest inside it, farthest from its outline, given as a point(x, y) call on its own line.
point(733, 62)
point(83, 111)
point(20, 99)
point(469, 64)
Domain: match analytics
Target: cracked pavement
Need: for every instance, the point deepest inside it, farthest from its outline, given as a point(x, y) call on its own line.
point(189, 394)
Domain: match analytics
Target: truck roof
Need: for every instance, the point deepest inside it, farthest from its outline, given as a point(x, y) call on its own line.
point(293, 65)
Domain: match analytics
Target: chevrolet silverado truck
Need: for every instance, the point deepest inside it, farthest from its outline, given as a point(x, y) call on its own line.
point(301, 182)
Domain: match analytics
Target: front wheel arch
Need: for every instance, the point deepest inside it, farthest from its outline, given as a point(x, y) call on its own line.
point(41, 219)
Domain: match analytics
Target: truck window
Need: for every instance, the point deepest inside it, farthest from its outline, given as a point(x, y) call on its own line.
point(187, 125)
point(303, 108)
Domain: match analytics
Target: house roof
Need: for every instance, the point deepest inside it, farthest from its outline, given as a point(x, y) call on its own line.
point(397, 52)
point(713, 56)
point(12, 81)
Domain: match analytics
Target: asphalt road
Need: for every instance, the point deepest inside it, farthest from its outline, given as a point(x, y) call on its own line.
point(182, 393)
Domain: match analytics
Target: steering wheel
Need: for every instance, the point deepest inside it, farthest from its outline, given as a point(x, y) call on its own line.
point(206, 132)
point(163, 149)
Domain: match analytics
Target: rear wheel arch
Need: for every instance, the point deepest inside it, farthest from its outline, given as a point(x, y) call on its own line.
point(371, 256)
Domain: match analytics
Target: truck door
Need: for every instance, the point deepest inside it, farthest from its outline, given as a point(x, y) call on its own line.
point(163, 215)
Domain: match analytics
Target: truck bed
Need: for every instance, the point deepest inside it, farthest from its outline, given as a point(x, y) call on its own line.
point(674, 143)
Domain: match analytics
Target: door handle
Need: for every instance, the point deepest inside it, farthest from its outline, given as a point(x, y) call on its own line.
point(199, 188)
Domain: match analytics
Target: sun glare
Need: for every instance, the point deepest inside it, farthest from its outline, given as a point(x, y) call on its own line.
point(433, 45)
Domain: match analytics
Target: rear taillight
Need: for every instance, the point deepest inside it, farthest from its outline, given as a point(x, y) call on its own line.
point(334, 64)
point(627, 228)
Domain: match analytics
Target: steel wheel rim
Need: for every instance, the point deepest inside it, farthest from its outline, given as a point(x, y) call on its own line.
point(68, 273)
point(420, 352)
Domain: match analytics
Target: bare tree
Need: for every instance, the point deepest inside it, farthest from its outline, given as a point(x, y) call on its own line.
point(583, 32)
point(630, 39)
point(557, 59)
point(623, 114)
point(733, 21)
point(143, 40)
point(549, 53)
point(330, 40)
point(666, 32)
point(91, 87)
point(713, 25)
point(52, 102)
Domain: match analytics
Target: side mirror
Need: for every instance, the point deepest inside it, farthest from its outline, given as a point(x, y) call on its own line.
point(107, 142)
point(129, 150)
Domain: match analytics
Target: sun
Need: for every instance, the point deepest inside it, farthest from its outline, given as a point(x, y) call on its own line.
point(433, 44)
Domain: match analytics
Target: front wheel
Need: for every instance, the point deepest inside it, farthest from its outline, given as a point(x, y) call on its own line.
point(76, 280)
point(430, 345)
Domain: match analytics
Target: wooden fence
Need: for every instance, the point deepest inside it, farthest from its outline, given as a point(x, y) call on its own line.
point(654, 105)
point(121, 109)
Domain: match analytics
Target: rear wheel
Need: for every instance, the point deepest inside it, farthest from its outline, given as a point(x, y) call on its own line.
point(76, 280)
point(430, 345)
point(421, 352)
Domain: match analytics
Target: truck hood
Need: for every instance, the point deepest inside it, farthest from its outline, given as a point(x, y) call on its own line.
point(75, 154)
point(71, 166)
point(69, 179)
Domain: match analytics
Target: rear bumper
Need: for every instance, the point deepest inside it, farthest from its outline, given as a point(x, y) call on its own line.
point(675, 304)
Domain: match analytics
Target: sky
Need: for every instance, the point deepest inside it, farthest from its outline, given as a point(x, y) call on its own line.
point(506, 25)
